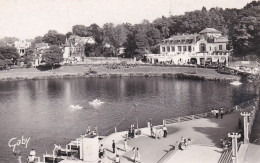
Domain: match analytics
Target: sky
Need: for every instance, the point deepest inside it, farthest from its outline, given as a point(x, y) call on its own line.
point(27, 19)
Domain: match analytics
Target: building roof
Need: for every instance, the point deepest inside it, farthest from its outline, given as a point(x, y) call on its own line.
point(181, 39)
point(209, 30)
point(40, 45)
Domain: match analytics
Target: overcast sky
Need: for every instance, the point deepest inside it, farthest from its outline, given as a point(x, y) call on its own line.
point(30, 18)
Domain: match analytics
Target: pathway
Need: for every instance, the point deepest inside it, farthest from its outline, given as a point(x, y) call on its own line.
point(205, 133)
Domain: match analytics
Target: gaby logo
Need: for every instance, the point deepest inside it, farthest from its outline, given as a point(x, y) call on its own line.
point(16, 142)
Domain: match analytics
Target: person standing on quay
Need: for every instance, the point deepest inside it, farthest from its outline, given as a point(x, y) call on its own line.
point(216, 111)
point(133, 155)
point(114, 146)
point(164, 131)
point(125, 145)
point(137, 156)
point(221, 112)
point(150, 121)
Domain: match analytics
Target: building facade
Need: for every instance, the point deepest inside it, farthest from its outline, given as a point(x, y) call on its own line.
point(74, 49)
point(21, 46)
point(207, 47)
point(38, 54)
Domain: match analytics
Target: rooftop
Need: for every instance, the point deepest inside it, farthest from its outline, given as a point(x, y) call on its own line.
point(209, 30)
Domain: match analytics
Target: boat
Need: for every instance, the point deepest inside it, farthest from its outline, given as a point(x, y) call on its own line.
point(76, 107)
point(96, 102)
point(236, 83)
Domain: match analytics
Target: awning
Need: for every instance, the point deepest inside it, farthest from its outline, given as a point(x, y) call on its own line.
point(215, 59)
point(209, 59)
point(222, 60)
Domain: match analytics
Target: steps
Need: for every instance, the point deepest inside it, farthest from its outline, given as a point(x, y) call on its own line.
point(226, 156)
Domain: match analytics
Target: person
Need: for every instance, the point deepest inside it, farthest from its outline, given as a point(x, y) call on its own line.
point(137, 156)
point(96, 130)
point(150, 121)
point(30, 159)
point(180, 146)
point(18, 154)
point(19, 158)
point(117, 151)
point(32, 153)
point(133, 155)
point(164, 131)
point(101, 151)
point(133, 134)
point(152, 132)
point(129, 132)
point(88, 130)
point(117, 159)
point(221, 112)
point(213, 113)
point(113, 146)
point(126, 136)
point(57, 149)
point(216, 111)
point(125, 145)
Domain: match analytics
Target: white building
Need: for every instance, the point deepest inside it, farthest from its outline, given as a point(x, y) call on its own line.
point(21, 46)
point(207, 47)
point(74, 49)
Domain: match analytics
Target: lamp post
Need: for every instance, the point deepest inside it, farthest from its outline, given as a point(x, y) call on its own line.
point(246, 115)
point(234, 137)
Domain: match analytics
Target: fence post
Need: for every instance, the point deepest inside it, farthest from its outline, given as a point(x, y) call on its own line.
point(192, 116)
point(179, 119)
point(164, 123)
point(115, 130)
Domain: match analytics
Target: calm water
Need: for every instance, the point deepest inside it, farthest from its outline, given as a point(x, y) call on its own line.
point(40, 109)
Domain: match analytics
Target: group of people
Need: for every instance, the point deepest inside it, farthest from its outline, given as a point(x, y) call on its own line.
point(136, 157)
point(217, 112)
point(89, 132)
point(225, 143)
point(184, 143)
point(131, 131)
point(158, 133)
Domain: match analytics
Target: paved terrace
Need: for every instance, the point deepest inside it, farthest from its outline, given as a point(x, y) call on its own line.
point(205, 133)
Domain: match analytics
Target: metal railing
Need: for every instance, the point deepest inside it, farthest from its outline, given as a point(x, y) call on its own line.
point(207, 114)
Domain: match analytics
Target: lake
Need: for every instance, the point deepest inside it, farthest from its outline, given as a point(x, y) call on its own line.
point(40, 109)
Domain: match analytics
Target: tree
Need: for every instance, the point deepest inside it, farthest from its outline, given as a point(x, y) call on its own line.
point(68, 34)
point(80, 30)
point(53, 56)
point(9, 52)
point(54, 38)
point(89, 48)
point(8, 41)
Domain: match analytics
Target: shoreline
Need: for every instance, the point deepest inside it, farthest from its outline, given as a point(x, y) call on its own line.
point(68, 72)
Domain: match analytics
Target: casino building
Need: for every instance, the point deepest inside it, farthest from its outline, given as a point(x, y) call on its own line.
point(207, 47)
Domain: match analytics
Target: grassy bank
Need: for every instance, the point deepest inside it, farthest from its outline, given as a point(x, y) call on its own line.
point(102, 71)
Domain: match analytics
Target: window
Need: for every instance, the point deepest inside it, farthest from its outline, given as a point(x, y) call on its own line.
point(179, 48)
point(173, 48)
point(168, 48)
point(202, 47)
point(209, 48)
point(220, 47)
point(184, 48)
point(193, 49)
point(189, 48)
point(163, 49)
point(215, 48)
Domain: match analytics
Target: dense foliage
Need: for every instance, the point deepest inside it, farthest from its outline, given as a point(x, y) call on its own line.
point(242, 26)
point(53, 56)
